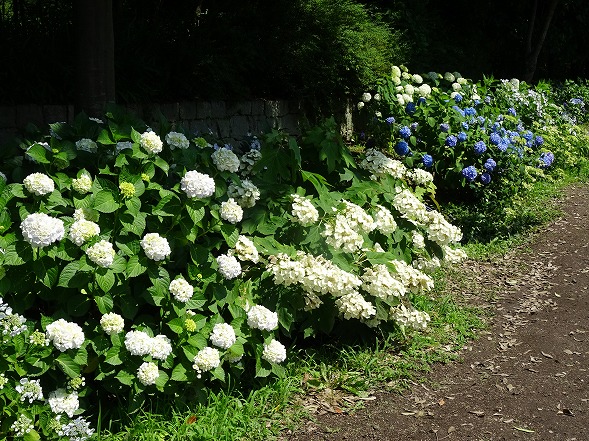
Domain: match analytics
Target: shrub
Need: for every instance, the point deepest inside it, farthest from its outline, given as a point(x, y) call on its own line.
point(136, 262)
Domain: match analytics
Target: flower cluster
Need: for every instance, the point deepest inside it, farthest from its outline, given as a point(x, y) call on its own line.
point(39, 184)
point(76, 430)
point(155, 246)
point(229, 266)
point(381, 165)
point(223, 335)
point(410, 317)
point(304, 211)
point(112, 323)
point(140, 343)
point(181, 290)
point(82, 230)
point(225, 160)
point(231, 211)
point(83, 184)
point(41, 230)
point(379, 282)
point(86, 145)
point(206, 359)
point(355, 306)
point(65, 335)
point(151, 142)
point(10, 324)
point(274, 352)
point(101, 253)
point(30, 390)
point(260, 317)
point(148, 373)
point(22, 426)
point(246, 250)
point(197, 185)
point(62, 402)
point(245, 194)
point(177, 140)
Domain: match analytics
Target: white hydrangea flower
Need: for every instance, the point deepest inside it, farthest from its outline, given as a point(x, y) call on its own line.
point(231, 211)
point(340, 234)
point(441, 231)
point(396, 72)
point(274, 352)
point(410, 207)
point(83, 184)
point(418, 240)
point(426, 265)
point(155, 247)
point(22, 425)
point(39, 184)
point(197, 185)
point(225, 160)
point(461, 81)
point(65, 335)
point(10, 324)
point(409, 89)
point(449, 77)
point(181, 290)
point(82, 230)
point(260, 317)
point(86, 145)
point(148, 373)
point(177, 140)
point(366, 97)
point(456, 87)
point(381, 165)
point(360, 105)
point(420, 176)
point(206, 359)
point(246, 250)
point(138, 343)
point(223, 335)
point(76, 430)
point(424, 90)
point(229, 266)
point(358, 218)
point(410, 317)
point(161, 347)
point(29, 390)
point(151, 142)
point(248, 160)
point(377, 97)
point(41, 230)
point(418, 79)
point(379, 282)
point(454, 94)
point(112, 323)
point(454, 255)
point(62, 402)
point(413, 279)
point(355, 306)
point(233, 358)
point(304, 211)
point(400, 99)
point(285, 271)
point(385, 221)
point(245, 194)
point(86, 213)
point(101, 253)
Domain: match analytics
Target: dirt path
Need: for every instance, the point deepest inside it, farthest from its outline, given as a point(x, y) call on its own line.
point(526, 378)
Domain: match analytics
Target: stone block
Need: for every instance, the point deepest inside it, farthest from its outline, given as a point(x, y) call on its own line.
point(258, 107)
point(171, 111)
point(187, 110)
point(224, 128)
point(203, 110)
point(290, 123)
point(218, 109)
point(29, 113)
point(55, 113)
point(234, 108)
point(240, 126)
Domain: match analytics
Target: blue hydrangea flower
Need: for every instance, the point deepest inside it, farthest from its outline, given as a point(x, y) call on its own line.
point(451, 141)
point(414, 126)
point(495, 127)
point(528, 135)
point(546, 159)
point(410, 108)
point(470, 111)
point(485, 178)
point(445, 127)
point(481, 120)
point(421, 100)
point(539, 140)
point(462, 137)
point(480, 147)
point(494, 138)
point(500, 118)
point(465, 125)
point(457, 97)
point(576, 101)
point(405, 132)
point(459, 110)
point(477, 102)
point(390, 120)
point(490, 165)
point(469, 173)
point(488, 99)
point(402, 148)
point(427, 160)
point(511, 111)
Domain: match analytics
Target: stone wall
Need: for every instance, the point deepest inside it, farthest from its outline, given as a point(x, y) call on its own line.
point(227, 121)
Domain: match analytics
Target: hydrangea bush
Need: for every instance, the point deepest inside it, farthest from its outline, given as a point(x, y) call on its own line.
point(476, 138)
point(136, 263)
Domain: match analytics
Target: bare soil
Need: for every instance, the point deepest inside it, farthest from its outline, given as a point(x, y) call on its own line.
point(525, 377)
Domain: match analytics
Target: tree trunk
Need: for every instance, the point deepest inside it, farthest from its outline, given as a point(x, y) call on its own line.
point(533, 50)
point(95, 73)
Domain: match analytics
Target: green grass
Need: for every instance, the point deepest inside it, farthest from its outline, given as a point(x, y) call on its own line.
point(340, 372)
